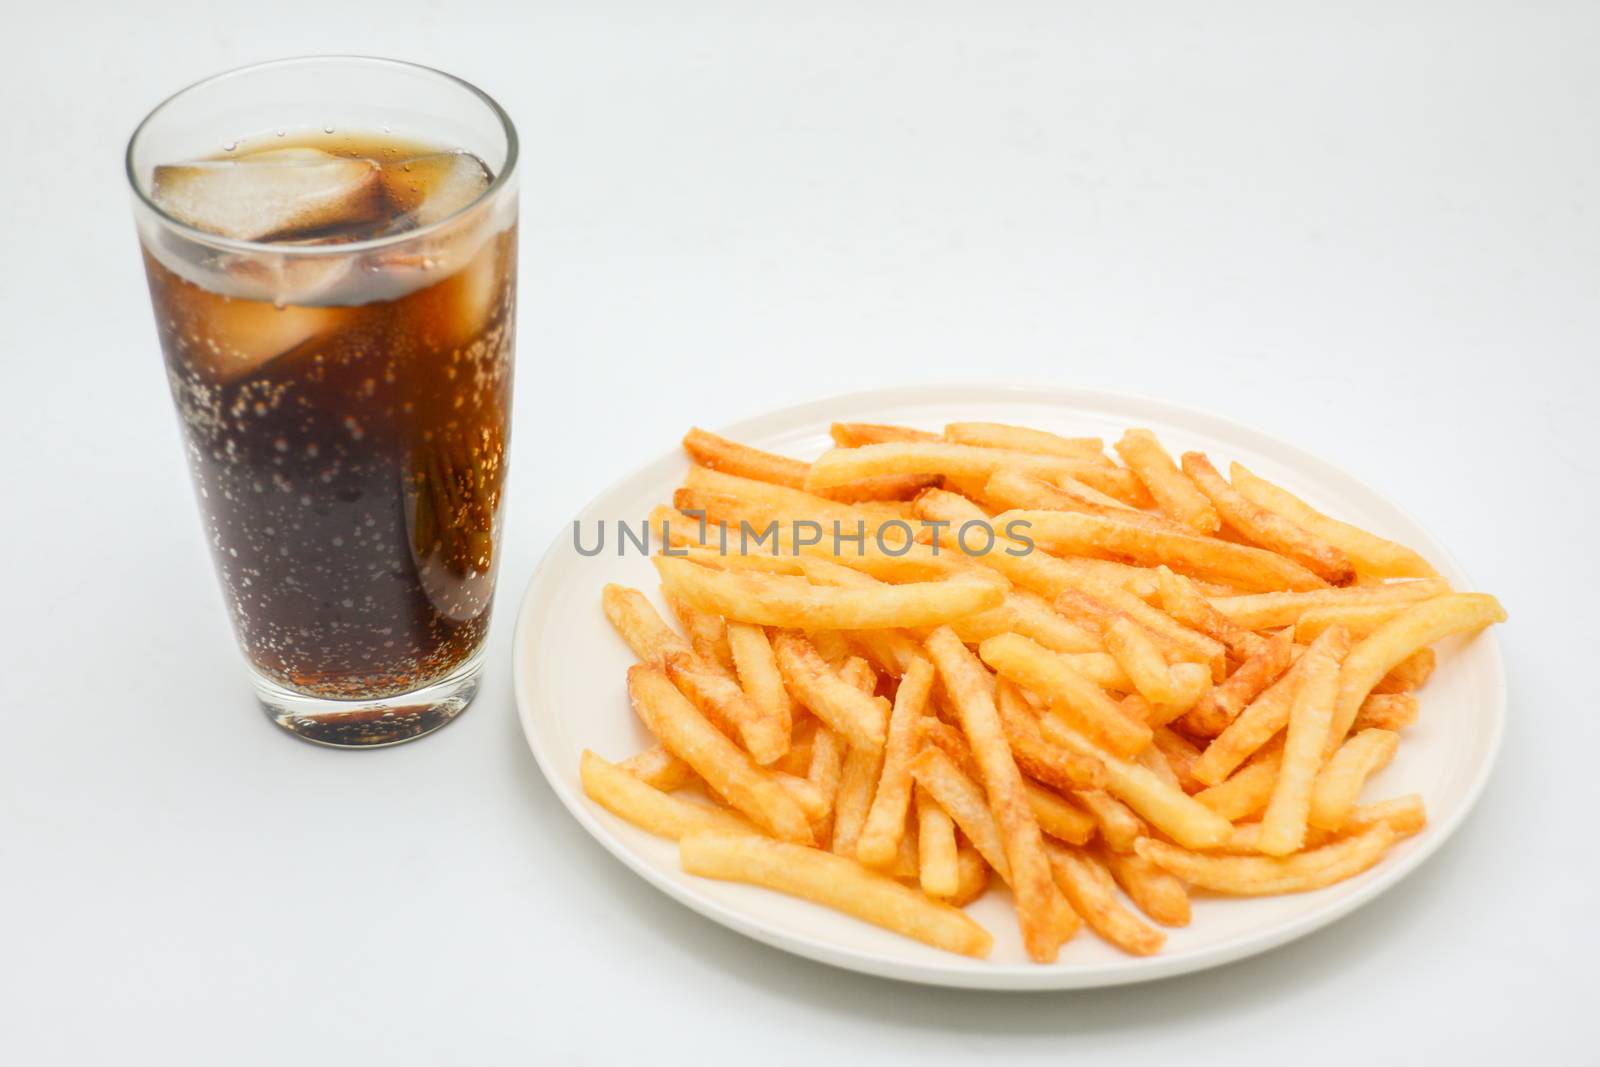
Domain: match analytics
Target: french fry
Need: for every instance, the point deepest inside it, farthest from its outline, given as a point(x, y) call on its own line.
point(708, 634)
point(1119, 827)
point(1174, 493)
point(1204, 557)
point(1157, 893)
point(827, 767)
point(1178, 642)
point(1023, 439)
point(1089, 889)
point(684, 732)
point(1283, 827)
point(1266, 528)
point(1267, 714)
point(1035, 756)
point(1378, 653)
point(1245, 793)
point(1339, 783)
point(963, 800)
point(720, 454)
point(719, 698)
point(1181, 599)
point(791, 503)
point(639, 624)
point(832, 646)
point(857, 717)
point(1181, 756)
point(1140, 658)
point(1084, 705)
point(854, 799)
point(1386, 711)
point(1008, 489)
point(886, 820)
point(854, 434)
point(1223, 704)
point(1372, 555)
point(936, 848)
point(842, 465)
point(966, 681)
point(1404, 815)
point(627, 797)
point(1357, 620)
point(1058, 818)
point(833, 881)
point(1410, 673)
point(1166, 806)
point(1259, 611)
point(757, 669)
point(972, 876)
point(1261, 875)
point(780, 600)
point(659, 769)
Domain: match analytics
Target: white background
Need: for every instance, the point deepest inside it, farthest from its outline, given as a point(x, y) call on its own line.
point(1372, 231)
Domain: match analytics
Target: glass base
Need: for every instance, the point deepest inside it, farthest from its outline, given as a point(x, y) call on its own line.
point(389, 720)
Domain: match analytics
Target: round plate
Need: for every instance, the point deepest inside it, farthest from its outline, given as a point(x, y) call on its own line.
point(569, 670)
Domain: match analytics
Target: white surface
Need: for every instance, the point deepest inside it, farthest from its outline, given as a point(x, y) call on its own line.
point(569, 666)
point(1369, 229)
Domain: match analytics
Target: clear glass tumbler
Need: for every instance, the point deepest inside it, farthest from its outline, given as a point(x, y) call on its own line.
point(330, 244)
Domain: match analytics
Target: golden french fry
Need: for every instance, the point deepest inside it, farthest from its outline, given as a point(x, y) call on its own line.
point(1058, 818)
point(1109, 599)
point(1386, 711)
point(790, 503)
point(1263, 717)
point(708, 634)
point(1218, 708)
point(1182, 599)
point(1410, 673)
point(1119, 827)
point(639, 624)
point(1008, 489)
point(1404, 815)
point(842, 465)
point(1157, 893)
point(1197, 556)
point(781, 600)
point(827, 767)
point(861, 719)
point(658, 768)
point(967, 683)
point(1260, 875)
point(1283, 827)
point(1246, 792)
point(1166, 806)
point(1339, 784)
point(1023, 439)
point(720, 454)
point(1084, 705)
point(1031, 616)
point(1035, 756)
point(972, 875)
point(1089, 889)
point(886, 820)
point(1372, 555)
point(1258, 611)
point(854, 799)
point(963, 800)
point(1266, 528)
point(835, 882)
point(1181, 756)
point(936, 848)
point(1174, 493)
point(1140, 658)
point(757, 668)
point(854, 434)
point(720, 699)
point(1422, 625)
point(627, 797)
point(684, 732)
point(1357, 620)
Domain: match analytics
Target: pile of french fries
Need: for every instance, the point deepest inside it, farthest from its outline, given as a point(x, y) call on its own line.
point(1037, 665)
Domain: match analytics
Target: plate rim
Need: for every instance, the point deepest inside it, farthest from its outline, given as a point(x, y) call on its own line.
point(981, 974)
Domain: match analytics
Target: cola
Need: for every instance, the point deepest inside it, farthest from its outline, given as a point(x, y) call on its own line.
point(336, 316)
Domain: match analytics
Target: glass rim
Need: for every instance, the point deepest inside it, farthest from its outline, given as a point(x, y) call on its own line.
point(233, 244)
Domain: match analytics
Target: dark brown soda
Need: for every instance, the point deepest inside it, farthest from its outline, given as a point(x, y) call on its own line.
point(351, 482)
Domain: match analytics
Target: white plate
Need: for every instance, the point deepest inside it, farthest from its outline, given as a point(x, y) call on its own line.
point(569, 670)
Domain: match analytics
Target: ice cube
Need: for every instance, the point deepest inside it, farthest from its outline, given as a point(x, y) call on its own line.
point(272, 195)
point(428, 188)
point(238, 337)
